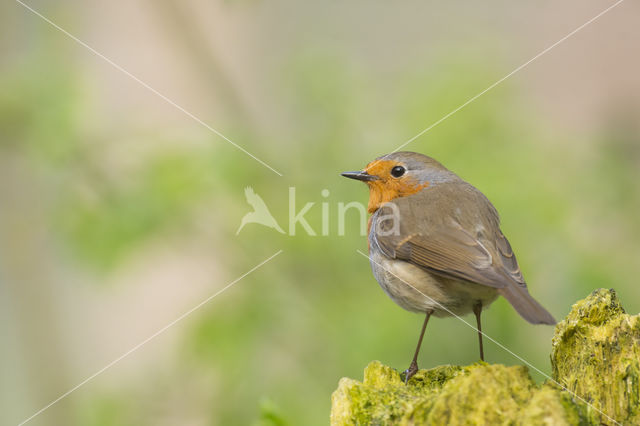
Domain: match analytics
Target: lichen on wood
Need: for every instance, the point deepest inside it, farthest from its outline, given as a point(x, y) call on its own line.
point(596, 354)
point(595, 360)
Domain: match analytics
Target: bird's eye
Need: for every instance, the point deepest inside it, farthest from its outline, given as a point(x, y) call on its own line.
point(398, 171)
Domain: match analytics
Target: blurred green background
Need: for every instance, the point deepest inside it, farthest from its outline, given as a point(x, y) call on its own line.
point(118, 212)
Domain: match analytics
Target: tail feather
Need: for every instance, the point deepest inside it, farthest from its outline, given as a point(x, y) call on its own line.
point(526, 305)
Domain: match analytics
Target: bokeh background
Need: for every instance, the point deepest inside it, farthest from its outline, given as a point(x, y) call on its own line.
point(118, 212)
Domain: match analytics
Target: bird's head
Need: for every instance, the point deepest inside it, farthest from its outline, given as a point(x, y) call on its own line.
point(399, 174)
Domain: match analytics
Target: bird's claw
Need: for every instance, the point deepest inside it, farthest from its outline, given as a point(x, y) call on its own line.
point(410, 372)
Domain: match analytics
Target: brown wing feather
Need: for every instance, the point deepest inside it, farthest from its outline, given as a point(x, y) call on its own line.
point(460, 244)
point(444, 243)
point(508, 259)
point(452, 256)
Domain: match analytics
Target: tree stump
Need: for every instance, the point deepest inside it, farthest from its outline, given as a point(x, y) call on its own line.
point(596, 368)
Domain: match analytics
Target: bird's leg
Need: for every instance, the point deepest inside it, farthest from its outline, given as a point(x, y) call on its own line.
point(477, 310)
point(413, 368)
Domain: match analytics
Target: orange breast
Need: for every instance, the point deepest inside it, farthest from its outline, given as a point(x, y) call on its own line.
point(380, 193)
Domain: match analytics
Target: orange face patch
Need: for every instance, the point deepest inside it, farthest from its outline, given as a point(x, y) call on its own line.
point(388, 187)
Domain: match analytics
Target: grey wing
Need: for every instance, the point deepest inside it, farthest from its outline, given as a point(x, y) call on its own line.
point(450, 250)
point(447, 249)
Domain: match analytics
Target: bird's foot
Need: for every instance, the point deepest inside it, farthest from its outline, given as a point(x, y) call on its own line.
point(410, 372)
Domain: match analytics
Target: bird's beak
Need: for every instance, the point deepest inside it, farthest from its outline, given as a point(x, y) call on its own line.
point(363, 176)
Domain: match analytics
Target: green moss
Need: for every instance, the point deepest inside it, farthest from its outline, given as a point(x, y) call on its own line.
point(491, 394)
point(548, 406)
point(476, 394)
point(595, 355)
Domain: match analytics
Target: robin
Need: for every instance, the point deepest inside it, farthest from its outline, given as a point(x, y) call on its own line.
point(435, 244)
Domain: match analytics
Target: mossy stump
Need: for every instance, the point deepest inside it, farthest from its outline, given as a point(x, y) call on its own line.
point(596, 363)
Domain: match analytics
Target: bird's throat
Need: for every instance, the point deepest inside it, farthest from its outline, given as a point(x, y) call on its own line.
point(381, 192)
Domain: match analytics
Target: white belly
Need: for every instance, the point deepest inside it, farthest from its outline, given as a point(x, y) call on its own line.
point(417, 290)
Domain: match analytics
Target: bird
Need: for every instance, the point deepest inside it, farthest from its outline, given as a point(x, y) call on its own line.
point(260, 213)
point(435, 244)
